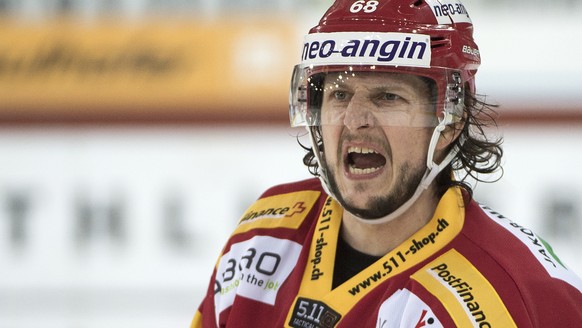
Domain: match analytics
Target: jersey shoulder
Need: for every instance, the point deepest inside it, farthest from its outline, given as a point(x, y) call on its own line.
point(282, 206)
point(506, 240)
point(312, 184)
point(545, 284)
point(499, 266)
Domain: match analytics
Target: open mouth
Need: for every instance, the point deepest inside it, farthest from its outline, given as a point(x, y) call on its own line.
point(363, 160)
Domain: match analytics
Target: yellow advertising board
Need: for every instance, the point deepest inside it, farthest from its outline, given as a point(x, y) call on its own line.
point(155, 69)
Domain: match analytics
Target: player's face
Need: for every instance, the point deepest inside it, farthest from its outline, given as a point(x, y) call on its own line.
point(375, 168)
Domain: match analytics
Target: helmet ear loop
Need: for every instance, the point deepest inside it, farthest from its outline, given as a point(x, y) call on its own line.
point(433, 168)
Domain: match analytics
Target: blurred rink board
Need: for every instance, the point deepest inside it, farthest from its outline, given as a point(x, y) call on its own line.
point(121, 227)
point(109, 70)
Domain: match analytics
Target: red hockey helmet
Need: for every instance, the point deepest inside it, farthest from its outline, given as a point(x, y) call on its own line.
point(429, 38)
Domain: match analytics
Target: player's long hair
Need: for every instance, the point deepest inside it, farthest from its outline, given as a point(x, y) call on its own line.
point(479, 154)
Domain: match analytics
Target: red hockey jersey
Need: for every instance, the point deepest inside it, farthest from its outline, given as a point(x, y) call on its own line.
point(468, 267)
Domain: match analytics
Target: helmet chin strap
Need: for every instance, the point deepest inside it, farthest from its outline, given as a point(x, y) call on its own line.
point(433, 169)
point(322, 171)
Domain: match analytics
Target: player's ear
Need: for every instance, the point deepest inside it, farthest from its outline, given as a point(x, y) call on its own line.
point(449, 135)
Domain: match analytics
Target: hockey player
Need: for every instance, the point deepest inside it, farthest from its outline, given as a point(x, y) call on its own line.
point(389, 235)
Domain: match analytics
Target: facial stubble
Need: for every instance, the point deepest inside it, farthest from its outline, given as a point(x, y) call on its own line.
point(378, 206)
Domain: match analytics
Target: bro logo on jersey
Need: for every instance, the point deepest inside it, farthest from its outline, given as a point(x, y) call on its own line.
point(256, 269)
point(404, 309)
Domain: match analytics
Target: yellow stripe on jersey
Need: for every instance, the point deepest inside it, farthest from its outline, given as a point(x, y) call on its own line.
point(279, 211)
point(464, 291)
point(197, 321)
point(315, 291)
point(445, 225)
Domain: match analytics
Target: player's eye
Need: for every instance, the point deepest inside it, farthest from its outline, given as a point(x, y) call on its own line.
point(390, 96)
point(340, 95)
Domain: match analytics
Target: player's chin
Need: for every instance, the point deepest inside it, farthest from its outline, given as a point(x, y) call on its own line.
point(369, 209)
point(363, 200)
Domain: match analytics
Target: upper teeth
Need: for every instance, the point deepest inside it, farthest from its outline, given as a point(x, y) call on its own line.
point(362, 150)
